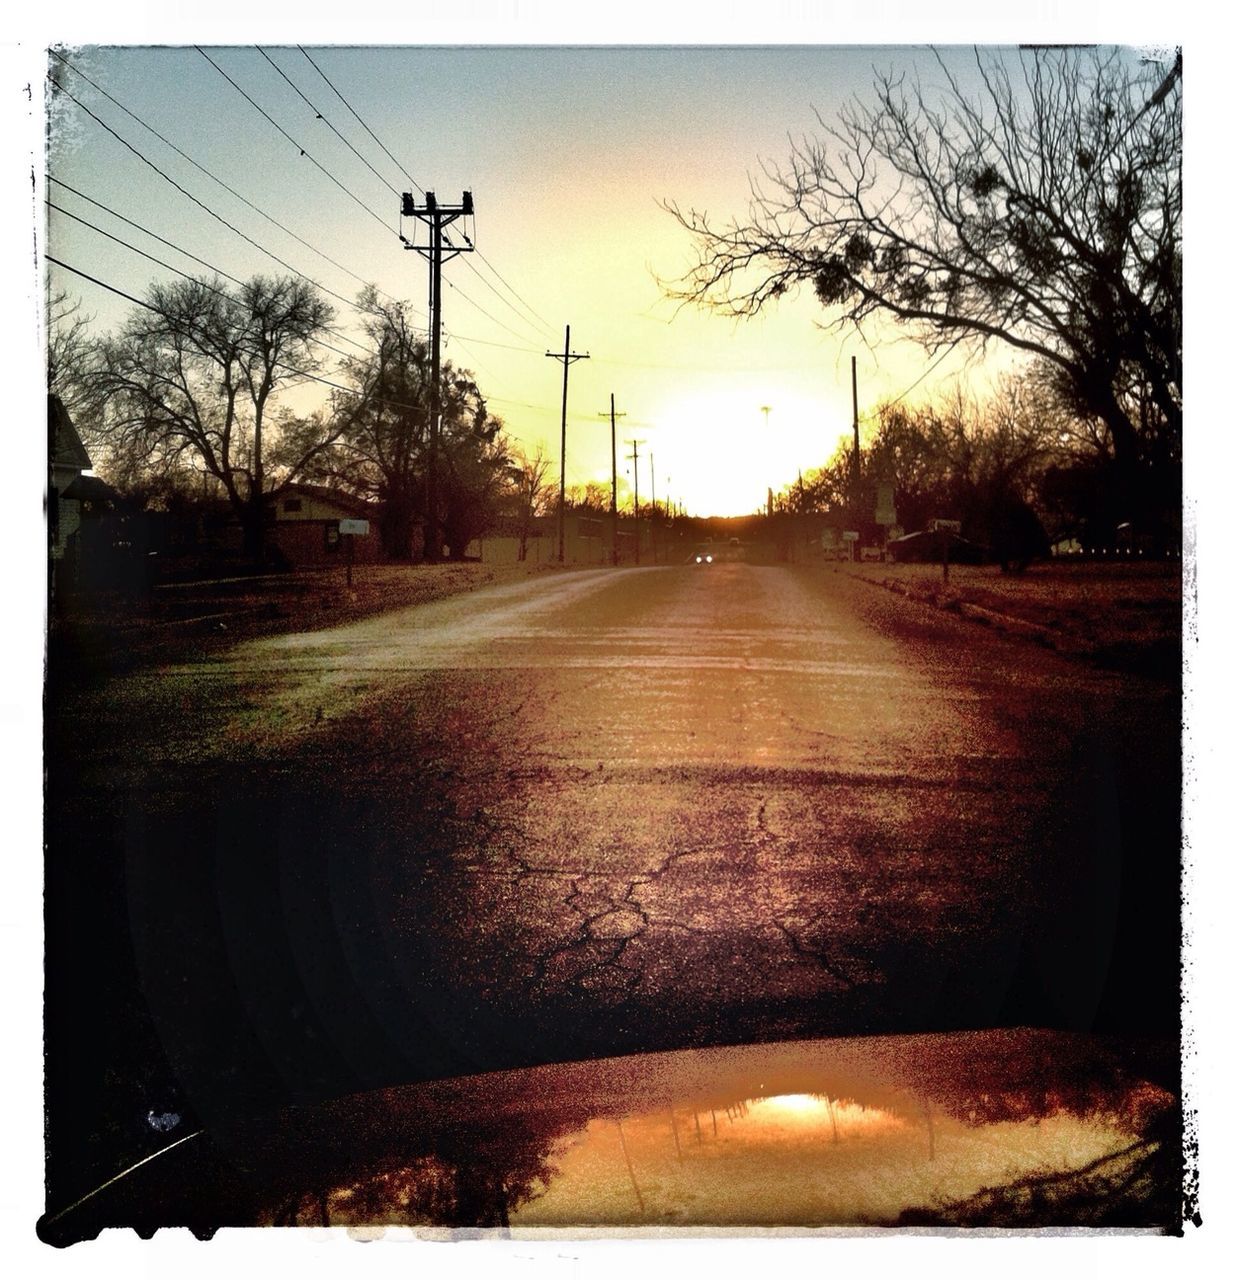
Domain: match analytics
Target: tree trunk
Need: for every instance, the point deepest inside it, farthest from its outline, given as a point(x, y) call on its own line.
point(398, 517)
point(253, 526)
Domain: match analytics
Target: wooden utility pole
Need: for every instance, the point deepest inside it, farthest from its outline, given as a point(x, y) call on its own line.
point(613, 458)
point(634, 456)
point(568, 357)
point(652, 471)
point(854, 461)
point(436, 216)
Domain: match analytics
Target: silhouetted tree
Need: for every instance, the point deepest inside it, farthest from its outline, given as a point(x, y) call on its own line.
point(191, 384)
point(71, 359)
point(1040, 209)
point(955, 458)
point(531, 492)
point(474, 471)
point(382, 450)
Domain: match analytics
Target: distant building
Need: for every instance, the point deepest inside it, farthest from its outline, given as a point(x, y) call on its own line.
point(587, 539)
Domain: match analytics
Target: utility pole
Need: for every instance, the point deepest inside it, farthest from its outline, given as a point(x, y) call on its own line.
point(854, 462)
point(436, 216)
point(634, 456)
point(613, 458)
point(568, 357)
point(652, 471)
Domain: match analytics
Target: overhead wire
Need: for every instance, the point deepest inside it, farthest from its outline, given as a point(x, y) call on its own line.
point(212, 176)
point(361, 122)
point(210, 266)
point(317, 164)
point(531, 316)
point(274, 257)
point(321, 116)
point(353, 195)
point(280, 364)
point(237, 231)
point(222, 293)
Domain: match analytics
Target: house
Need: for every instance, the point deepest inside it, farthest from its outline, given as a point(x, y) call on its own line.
point(66, 460)
point(303, 526)
point(91, 544)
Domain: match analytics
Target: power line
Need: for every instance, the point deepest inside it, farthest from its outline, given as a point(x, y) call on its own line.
point(321, 116)
point(200, 204)
point(888, 404)
point(210, 266)
point(266, 115)
point(485, 342)
point(514, 292)
point(505, 302)
point(137, 225)
point(506, 327)
point(212, 176)
point(222, 293)
point(361, 122)
point(279, 364)
point(530, 310)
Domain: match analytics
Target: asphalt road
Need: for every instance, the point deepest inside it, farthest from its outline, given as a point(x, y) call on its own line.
point(612, 811)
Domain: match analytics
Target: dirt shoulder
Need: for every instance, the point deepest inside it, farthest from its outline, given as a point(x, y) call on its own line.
point(1122, 616)
point(179, 622)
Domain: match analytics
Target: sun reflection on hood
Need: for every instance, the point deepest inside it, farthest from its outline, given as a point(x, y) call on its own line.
point(1000, 1128)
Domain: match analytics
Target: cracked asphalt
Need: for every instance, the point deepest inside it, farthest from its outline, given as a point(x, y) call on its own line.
point(612, 811)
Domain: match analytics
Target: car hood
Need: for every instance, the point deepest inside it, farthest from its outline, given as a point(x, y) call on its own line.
point(999, 1128)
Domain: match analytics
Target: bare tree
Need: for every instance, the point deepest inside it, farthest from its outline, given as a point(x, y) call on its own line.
point(381, 452)
point(192, 382)
point(533, 492)
point(1042, 209)
point(71, 352)
point(382, 444)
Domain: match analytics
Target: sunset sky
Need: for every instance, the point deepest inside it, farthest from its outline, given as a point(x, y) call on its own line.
point(568, 152)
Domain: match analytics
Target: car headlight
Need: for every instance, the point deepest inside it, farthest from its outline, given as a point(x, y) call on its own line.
point(709, 559)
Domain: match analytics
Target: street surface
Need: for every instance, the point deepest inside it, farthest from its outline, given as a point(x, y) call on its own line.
point(607, 812)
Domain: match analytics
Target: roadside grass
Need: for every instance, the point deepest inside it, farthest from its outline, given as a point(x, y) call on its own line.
point(189, 621)
point(1125, 615)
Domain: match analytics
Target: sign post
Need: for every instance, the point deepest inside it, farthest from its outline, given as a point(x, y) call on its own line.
point(850, 538)
point(948, 528)
point(349, 529)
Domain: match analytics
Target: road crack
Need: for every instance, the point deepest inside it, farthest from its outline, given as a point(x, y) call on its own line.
point(815, 953)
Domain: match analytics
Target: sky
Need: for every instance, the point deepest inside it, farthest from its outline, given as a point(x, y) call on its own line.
point(570, 154)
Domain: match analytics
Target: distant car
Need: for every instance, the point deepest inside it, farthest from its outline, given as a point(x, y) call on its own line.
point(703, 556)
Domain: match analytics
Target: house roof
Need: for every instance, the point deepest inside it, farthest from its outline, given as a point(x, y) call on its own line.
point(64, 445)
point(90, 489)
point(325, 494)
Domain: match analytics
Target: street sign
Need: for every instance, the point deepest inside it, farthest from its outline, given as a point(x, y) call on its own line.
point(849, 536)
point(354, 526)
point(944, 526)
